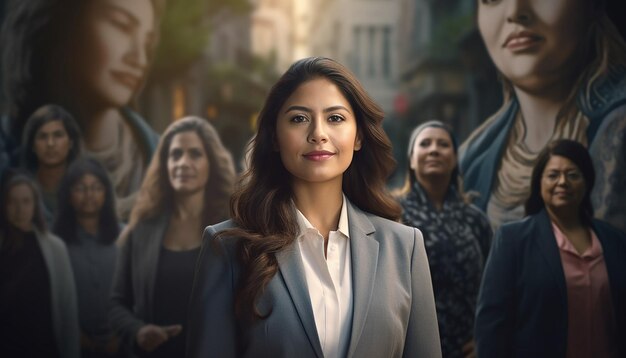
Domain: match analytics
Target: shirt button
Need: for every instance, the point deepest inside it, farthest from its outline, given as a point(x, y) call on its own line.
point(332, 248)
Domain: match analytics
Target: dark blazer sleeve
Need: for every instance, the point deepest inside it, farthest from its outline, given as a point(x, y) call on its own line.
point(422, 338)
point(212, 326)
point(121, 317)
point(495, 311)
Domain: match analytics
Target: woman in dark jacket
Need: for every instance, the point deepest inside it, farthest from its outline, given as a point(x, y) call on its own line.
point(555, 282)
point(38, 310)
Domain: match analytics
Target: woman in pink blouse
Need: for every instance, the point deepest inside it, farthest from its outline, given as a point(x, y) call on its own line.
point(555, 282)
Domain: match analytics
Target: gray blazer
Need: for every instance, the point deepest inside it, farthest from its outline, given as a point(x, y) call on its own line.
point(132, 294)
point(394, 309)
point(63, 294)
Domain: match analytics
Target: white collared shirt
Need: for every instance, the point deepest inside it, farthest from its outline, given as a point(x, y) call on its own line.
point(329, 281)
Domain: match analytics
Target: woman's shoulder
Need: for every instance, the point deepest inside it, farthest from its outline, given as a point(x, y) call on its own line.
point(475, 213)
point(386, 229)
point(213, 232)
point(604, 229)
point(50, 239)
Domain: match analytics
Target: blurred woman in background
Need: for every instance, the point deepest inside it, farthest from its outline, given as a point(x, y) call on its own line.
point(187, 187)
point(37, 293)
point(555, 282)
point(86, 221)
point(457, 235)
point(51, 142)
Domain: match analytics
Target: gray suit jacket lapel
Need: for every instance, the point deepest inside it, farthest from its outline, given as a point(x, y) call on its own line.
point(364, 255)
point(292, 271)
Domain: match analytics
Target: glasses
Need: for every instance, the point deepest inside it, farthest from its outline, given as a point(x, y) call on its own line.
point(571, 177)
point(82, 189)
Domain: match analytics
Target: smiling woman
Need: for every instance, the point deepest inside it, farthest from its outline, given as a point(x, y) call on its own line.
point(187, 187)
point(312, 263)
point(555, 282)
point(457, 235)
point(91, 57)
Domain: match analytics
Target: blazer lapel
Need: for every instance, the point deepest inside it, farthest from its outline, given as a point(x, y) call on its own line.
point(151, 239)
point(292, 270)
point(549, 249)
point(364, 256)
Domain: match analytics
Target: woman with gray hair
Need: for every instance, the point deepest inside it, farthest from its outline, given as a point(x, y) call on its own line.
point(457, 235)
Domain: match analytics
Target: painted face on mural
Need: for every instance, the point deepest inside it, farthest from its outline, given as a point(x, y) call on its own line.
point(533, 42)
point(111, 50)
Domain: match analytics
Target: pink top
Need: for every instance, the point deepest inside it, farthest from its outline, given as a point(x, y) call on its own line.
point(591, 322)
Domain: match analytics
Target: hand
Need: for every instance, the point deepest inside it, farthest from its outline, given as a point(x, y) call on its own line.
point(469, 350)
point(150, 336)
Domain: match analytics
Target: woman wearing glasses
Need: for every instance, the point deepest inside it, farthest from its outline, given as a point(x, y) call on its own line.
point(555, 282)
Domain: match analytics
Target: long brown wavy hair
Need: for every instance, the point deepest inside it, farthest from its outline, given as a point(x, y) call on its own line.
point(261, 206)
point(156, 192)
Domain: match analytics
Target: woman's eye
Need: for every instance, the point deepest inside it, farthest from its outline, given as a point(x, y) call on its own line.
point(195, 154)
point(335, 118)
point(424, 143)
point(121, 21)
point(176, 154)
point(298, 119)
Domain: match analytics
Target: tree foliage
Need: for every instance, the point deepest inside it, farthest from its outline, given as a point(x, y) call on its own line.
point(185, 30)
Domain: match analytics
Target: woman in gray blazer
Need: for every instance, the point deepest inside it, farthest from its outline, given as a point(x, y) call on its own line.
point(188, 185)
point(313, 262)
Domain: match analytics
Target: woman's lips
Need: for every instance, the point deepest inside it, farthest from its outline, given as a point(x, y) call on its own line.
point(127, 79)
point(318, 155)
point(522, 41)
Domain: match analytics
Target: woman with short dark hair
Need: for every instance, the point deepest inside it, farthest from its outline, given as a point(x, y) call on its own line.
point(555, 282)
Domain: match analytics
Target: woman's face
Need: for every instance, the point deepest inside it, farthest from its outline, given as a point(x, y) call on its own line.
point(533, 42)
point(20, 207)
point(562, 184)
point(316, 133)
point(187, 163)
point(87, 196)
point(52, 144)
point(111, 50)
point(433, 154)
